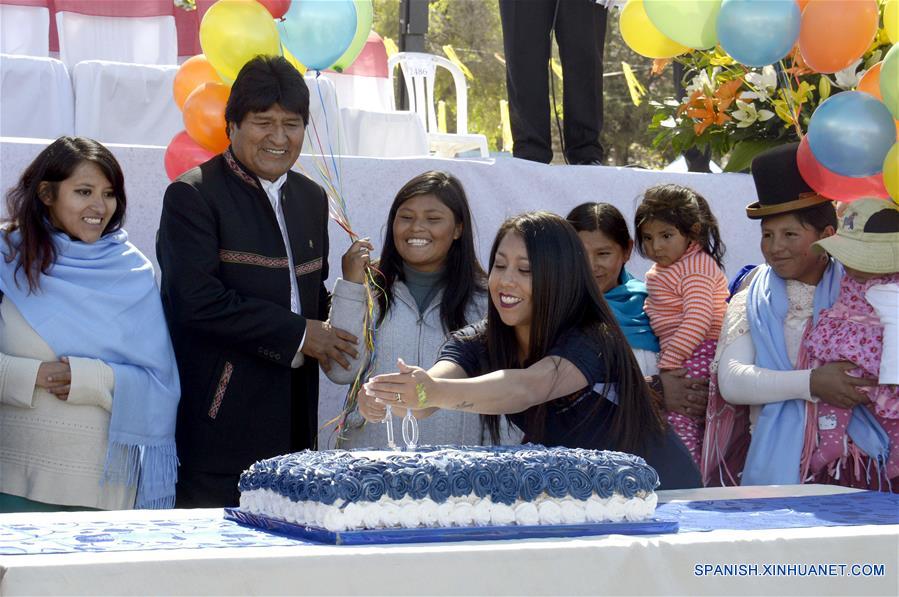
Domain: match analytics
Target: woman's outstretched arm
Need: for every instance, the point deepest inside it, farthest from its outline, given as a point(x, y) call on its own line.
point(500, 392)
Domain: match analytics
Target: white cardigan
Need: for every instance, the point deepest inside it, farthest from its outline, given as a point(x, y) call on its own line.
point(53, 451)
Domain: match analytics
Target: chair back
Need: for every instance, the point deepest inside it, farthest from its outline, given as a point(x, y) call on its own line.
point(419, 72)
point(137, 40)
point(37, 98)
point(24, 30)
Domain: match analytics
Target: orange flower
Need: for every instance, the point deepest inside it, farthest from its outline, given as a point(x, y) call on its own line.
point(710, 110)
point(798, 67)
point(659, 64)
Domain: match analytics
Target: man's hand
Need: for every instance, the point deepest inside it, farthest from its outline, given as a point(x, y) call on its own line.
point(55, 377)
point(833, 385)
point(325, 343)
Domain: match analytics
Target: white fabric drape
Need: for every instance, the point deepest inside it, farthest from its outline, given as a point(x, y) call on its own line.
point(139, 40)
point(126, 103)
point(24, 30)
point(37, 99)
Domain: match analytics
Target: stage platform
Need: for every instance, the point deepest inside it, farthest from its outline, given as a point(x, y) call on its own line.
point(496, 189)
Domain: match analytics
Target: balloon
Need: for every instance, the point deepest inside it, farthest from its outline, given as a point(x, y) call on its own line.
point(364, 16)
point(833, 186)
point(802, 4)
point(891, 20)
point(851, 133)
point(182, 154)
point(688, 22)
point(277, 8)
point(642, 36)
point(889, 80)
point(870, 84)
point(758, 32)
point(293, 60)
point(234, 31)
point(834, 34)
point(318, 32)
point(204, 116)
point(195, 71)
point(891, 172)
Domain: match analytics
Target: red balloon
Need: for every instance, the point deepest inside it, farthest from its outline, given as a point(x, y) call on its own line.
point(182, 154)
point(277, 7)
point(836, 186)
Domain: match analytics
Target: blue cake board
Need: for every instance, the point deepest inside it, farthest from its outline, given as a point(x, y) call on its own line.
point(652, 526)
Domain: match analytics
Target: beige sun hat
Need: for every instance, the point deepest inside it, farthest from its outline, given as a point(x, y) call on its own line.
point(868, 237)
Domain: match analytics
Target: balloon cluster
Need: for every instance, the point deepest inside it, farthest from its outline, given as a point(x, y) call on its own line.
point(850, 150)
point(317, 34)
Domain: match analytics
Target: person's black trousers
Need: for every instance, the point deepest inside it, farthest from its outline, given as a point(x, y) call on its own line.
point(580, 27)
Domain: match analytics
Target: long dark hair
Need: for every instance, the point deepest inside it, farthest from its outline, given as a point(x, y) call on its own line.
point(462, 267)
point(565, 297)
point(683, 208)
point(28, 214)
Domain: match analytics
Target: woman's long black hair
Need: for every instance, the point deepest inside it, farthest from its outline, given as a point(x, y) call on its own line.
point(28, 214)
point(462, 268)
point(564, 296)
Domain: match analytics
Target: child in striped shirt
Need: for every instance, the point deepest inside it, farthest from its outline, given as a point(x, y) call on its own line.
point(687, 288)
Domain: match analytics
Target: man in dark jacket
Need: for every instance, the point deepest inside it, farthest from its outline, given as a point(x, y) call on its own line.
point(243, 249)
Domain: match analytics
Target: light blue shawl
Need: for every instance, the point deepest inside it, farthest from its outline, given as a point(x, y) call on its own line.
point(100, 301)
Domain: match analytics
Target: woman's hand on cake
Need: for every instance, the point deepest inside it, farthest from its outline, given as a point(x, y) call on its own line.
point(355, 260)
point(411, 387)
point(370, 408)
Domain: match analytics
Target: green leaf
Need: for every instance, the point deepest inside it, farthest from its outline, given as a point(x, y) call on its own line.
point(824, 87)
point(744, 151)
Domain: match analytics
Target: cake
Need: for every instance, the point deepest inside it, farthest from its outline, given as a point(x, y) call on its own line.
point(443, 486)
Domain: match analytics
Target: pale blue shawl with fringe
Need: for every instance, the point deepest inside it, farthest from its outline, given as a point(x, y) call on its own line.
point(100, 301)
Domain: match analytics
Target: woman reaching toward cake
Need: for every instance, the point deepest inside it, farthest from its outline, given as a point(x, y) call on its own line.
point(543, 357)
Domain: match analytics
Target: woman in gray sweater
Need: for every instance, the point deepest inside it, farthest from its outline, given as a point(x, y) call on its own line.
point(430, 285)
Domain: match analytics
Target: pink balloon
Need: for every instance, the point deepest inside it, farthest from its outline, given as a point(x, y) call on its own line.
point(836, 186)
point(182, 154)
point(278, 8)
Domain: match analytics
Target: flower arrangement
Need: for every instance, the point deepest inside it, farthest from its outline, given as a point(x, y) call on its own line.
point(732, 108)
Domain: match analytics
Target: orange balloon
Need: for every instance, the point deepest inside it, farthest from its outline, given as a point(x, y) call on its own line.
point(870, 84)
point(204, 116)
point(195, 71)
point(833, 34)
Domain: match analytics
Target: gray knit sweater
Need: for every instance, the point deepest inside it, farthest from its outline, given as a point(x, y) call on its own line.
point(417, 339)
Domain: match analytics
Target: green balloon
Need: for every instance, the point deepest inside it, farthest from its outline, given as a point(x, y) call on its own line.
point(364, 16)
point(889, 81)
point(690, 23)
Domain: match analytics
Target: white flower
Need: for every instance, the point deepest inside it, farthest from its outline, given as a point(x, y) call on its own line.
point(763, 84)
point(746, 114)
point(702, 82)
point(848, 78)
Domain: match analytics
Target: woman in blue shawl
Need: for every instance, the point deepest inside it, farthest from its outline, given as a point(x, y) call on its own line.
point(88, 383)
point(603, 231)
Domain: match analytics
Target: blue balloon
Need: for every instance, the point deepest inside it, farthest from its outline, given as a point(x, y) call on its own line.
point(851, 133)
point(758, 32)
point(318, 32)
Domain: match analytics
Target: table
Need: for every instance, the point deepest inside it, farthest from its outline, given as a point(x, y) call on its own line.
point(613, 564)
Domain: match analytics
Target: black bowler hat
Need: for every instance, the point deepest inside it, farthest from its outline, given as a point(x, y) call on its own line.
point(778, 184)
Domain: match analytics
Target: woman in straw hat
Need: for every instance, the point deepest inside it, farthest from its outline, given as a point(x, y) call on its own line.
point(760, 384)
point(861, 328)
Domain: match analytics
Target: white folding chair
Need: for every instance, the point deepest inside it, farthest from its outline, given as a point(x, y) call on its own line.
point(117, 102)
point(419, 71)
point(25, 30)
point(138, 40)
point(36, 97)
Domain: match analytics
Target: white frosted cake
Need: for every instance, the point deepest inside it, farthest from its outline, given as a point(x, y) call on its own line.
point(444, 486)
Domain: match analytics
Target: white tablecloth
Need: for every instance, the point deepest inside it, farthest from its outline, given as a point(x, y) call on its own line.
point(36, 98)
point(117, 102)
point(613, 564)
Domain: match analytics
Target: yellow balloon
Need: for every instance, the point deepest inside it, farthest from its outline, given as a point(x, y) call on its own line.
point(642, 36)
point(293, 60)
point(891, 172)
point(891, 20)
point(234, 31)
